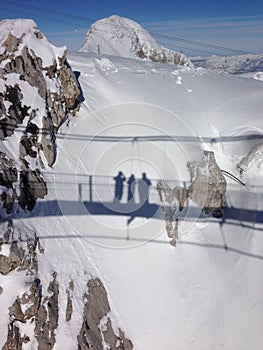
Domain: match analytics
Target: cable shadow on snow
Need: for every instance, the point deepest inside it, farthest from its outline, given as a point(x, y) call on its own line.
point(158, 241)
point(147, 138)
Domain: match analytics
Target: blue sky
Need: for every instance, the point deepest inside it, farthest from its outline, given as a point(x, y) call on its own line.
point(236, 24)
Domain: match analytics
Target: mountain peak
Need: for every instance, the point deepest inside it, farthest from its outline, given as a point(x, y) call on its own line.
point(119, 36)
point(18, 33)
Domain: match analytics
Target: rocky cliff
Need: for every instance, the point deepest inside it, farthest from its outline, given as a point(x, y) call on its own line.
point(35, 311)
point(38, 90)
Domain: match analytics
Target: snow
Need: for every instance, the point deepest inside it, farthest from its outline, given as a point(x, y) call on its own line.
point(5, 249)
point(119, 30)
point(122, 37)
point(26, 30)
point(198, 295)
point(238, 64)
point(9, 295)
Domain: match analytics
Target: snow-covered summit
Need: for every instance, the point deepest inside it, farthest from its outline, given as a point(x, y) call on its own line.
point(123, 37)
point(18, 33)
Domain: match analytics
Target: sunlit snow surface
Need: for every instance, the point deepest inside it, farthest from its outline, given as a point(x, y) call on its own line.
point(144, 117)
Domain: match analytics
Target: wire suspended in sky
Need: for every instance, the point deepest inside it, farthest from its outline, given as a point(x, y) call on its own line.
point(173, 39)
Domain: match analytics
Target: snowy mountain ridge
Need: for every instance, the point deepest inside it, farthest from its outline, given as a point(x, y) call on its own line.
point(123, 37)
point(238, 64)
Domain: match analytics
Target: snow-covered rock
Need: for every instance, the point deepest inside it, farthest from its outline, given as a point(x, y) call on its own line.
point(37, 91)
point(123, 37)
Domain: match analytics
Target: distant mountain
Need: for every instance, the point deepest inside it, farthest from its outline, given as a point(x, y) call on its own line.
point(123, 37)
point(231, 64)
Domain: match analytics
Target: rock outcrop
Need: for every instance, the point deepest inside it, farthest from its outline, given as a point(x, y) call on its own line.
point(97, 331)
point(208, 184)
point(207, 189)
point(38, 304)
point(38, 90)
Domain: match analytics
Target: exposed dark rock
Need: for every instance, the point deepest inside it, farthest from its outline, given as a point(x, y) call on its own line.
point(14, 341)
point(47, 142)
point(32, 187)
point(97, 327)
point(52, 303)
point(43, 312)
point(8, 202)
point(15, 311)
point(15, 113)
point(11, 262)
point(12, 43)
point(8, 174)
point(42, 330)
point(30, 69)
point(69, 308)
point(47, 318)
point(59, 90)
point(31, 306)
point(22, 254)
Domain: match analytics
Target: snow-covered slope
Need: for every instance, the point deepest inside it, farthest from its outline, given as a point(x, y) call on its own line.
point(123, 37)
point(198, 295)
point(238, 64)
point(139, 116)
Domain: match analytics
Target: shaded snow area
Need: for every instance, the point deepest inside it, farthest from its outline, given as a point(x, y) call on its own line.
point(144, 117)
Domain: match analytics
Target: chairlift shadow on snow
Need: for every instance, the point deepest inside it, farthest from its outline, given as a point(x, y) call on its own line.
point(131, 209)
point(232, 216)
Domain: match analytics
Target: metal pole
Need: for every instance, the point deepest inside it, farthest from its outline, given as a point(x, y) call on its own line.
point(90, 188)
point(80, 192)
